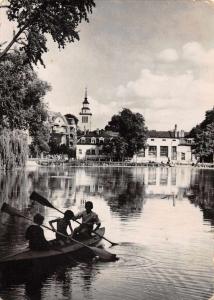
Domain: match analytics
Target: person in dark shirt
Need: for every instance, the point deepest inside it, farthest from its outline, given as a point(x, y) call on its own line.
point(62, 224)
point(35, 235)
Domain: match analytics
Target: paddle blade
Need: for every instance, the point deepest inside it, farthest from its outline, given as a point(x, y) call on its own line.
point(10, 210)
point(36, 197)
point(104, 255)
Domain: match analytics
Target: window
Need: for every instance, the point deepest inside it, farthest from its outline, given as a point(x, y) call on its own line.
point(152, 151)
point(164, 151)
point(100, 152)
point(174, 140)
point(80, 151)
point(88, 152)
point(164, 140)
point(152, 139)
point(93, 141)
point(174, 153)
point(93, 152)
point(183, 156)
point(84, 119)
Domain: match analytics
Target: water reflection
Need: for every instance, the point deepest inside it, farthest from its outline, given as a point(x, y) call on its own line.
point(158, 211)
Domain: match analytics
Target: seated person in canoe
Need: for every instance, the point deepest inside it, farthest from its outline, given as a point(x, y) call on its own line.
point(62, 224)
point(35, 235)
point(89, 219)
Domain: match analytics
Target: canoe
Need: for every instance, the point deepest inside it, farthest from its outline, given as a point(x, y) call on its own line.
point(28, 258)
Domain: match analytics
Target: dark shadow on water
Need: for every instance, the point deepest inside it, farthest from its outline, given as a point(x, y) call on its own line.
point(57, 274)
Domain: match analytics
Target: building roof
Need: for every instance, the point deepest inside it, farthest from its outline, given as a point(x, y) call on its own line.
point(52, 116)
point(161, 134)
point(96, 133)
point(69, 117)
point(166, 134)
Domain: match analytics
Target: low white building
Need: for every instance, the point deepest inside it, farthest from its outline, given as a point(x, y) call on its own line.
point(90, 145)
point(166, 146)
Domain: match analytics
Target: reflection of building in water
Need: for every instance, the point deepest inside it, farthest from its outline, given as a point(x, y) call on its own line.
point(166, 180)
point(62, 188)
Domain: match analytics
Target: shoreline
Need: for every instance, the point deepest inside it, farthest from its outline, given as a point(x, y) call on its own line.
point(34, 163)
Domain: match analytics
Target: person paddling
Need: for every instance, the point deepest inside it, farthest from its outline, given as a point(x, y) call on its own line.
point(89, 219)
point(35, 235)
point(62, 224)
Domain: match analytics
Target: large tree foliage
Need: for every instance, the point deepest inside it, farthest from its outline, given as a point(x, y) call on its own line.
point(55, 145)
point(21, 99)
point(116, 148)
point(38, 19)
point(203, 135)
point(131, 128)
point(13, 148)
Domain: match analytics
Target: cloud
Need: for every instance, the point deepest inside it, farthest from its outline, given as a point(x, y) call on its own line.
point(180, 96)
point(168, 55)
point(195, 53)
point(103, 111)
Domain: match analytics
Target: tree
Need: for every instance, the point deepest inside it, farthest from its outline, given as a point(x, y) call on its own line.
point(203, 135)
point(204, 143)
point(38, 19)
point(116, 148)
point(21, 99)
point(131, 127)
point(13, 148)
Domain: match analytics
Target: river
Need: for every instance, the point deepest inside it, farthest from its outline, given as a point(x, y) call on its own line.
point(162, 219)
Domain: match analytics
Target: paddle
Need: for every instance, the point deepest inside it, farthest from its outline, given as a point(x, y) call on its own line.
point(43, 201)
point(103, 254)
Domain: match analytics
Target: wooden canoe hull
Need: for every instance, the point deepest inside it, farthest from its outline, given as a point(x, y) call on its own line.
point(29, 258)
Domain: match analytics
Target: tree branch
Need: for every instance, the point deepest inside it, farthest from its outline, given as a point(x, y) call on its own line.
point(13, 41)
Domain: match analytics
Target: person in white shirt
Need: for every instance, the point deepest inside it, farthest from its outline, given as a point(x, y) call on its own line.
point(89, 219)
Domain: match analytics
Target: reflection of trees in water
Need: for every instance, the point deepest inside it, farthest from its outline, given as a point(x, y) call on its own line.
point(128, 200)
point(13, 188)
point(15, 191)
point(118, 186)
point(202, 192)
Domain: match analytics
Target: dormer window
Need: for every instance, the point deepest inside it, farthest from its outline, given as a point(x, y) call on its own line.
point(83, 140)
point(93, 140)
point(101, 140)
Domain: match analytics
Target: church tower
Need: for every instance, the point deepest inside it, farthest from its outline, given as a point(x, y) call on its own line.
point(85, 115)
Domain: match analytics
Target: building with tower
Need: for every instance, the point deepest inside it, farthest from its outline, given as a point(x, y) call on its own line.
point(85, 115)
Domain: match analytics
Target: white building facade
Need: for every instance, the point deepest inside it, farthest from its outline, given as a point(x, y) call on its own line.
point(63, 128)
point(166, 146)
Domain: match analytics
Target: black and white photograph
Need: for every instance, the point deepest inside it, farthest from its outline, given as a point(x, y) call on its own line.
point(106, 149)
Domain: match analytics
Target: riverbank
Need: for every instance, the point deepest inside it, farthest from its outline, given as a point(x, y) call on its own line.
point(78, 163)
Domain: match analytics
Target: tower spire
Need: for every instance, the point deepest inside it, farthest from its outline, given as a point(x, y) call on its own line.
point(86, 93)
point(86, 97)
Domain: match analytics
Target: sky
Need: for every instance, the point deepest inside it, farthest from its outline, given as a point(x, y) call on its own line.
point(155, 57)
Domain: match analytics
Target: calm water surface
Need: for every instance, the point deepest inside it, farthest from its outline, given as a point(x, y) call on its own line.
point(165, 236)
